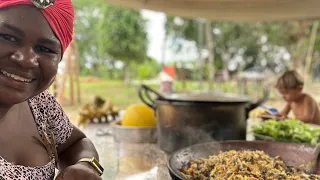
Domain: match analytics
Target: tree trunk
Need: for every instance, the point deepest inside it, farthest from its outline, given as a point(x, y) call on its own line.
point(200, 61)
point(95, 69)
point(297, 49)
point(110, 69)
point(209, 37)
point(225, 71)
point(199, 67)
point(183, 77)
point(111, 74)
point(127, 74)
point(297, 58)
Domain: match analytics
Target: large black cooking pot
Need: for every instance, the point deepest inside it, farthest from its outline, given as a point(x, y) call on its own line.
point(191, 118)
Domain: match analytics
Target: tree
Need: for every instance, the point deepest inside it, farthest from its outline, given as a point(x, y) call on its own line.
point(293, 35)
point(236, 39)
point(108, 33)
point(127, 38)
point(149, 69)
point(87, 16)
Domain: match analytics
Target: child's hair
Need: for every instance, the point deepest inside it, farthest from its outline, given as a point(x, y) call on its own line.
point(289, 80)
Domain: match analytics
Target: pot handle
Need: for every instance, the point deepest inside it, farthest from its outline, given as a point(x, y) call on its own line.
point(147, 99)
point(266, 93)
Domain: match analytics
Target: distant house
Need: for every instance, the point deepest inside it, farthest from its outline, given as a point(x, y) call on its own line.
point(262, 76)
point(167, 77)
point(168, 73)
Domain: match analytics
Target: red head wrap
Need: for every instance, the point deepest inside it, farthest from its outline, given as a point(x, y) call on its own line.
point(60, 17)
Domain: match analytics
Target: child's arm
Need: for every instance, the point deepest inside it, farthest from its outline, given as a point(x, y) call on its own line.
point(309, 109)
point(285, 111)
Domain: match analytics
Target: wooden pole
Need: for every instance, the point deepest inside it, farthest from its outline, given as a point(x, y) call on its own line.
point(71, 79)
point(77, 70)
point(55, 87)
point(312, 41)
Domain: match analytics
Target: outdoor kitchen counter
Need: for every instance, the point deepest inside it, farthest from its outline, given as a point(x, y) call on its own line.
point(123, 161)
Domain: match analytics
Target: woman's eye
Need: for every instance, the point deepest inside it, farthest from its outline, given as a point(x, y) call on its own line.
point(43, 49)
point(9, 38)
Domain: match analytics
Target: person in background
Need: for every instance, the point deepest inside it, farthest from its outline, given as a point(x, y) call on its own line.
point(304, 107)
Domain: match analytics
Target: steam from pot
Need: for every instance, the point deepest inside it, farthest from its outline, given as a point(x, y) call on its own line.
point(196, 135)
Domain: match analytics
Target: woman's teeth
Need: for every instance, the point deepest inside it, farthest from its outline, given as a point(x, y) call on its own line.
point(15, 77)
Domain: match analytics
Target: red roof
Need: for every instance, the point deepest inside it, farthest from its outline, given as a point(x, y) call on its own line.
point(170, 70)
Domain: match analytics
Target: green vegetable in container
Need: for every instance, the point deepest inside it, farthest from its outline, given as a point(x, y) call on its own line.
point(291, 130)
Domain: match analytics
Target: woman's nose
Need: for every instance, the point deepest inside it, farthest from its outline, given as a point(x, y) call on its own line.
point(26, 58)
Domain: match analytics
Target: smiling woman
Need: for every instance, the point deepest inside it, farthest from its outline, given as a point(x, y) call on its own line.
point(33, 37)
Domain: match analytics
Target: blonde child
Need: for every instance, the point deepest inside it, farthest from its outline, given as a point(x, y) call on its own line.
point(303, 106)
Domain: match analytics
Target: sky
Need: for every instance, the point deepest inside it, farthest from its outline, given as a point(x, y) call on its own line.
point(156, 34)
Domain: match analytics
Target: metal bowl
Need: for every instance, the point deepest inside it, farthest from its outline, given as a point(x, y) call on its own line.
point(132, 134)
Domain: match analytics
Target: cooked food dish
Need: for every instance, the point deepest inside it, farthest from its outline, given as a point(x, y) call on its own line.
point(242, 165)
point(290, 130)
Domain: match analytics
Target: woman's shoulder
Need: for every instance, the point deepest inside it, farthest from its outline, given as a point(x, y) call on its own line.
point(50, 116)
point(44, 98)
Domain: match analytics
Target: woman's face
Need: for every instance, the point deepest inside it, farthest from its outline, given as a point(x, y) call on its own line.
point(29, 54)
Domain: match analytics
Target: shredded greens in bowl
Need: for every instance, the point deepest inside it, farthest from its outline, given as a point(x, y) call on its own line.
point(243, 165)
point(289, 130)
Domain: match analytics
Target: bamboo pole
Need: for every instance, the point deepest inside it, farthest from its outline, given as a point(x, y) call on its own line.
point(72, 70)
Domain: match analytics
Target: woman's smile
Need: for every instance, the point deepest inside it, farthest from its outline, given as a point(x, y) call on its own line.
point(16, 77)
point(15, 81)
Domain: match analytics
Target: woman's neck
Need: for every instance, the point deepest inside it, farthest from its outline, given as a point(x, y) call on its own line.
point(3, 111)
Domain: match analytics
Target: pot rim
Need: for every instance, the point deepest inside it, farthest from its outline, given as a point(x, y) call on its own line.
point(184, 102)
point(199, 96)
point(116, 124)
